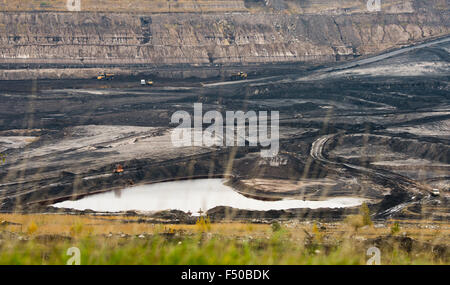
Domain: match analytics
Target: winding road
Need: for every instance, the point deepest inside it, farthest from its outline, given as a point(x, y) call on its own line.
point(347, 65)
point(317, 153)
point(404, 183)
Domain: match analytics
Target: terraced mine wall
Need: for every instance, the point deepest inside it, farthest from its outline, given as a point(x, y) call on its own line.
point(215, 6)
point(127, 6)
point(43, 43)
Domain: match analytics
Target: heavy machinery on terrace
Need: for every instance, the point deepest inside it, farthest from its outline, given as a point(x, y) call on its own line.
point(105, 76)
point(147, 82)
point(239, 76)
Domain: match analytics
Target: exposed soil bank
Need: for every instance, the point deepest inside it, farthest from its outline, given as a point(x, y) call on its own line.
point(45, 44)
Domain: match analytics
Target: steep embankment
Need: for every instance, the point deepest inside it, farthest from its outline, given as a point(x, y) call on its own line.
point(48, 39)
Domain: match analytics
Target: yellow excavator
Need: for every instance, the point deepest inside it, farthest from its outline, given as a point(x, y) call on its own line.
point(105, 76)
point(239, 76)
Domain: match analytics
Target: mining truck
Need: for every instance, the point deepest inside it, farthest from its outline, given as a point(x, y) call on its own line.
point(105, 76)
point(146, 82)
point(435, 192)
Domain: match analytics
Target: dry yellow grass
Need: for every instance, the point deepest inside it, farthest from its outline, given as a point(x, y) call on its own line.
point(74, 225)
point(42, 239)
point(64, 224)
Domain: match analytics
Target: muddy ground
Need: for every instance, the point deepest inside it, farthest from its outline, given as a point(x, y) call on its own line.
point(377, 131)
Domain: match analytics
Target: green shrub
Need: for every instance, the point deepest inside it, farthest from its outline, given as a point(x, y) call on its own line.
point(276, 227)
point(395, 228)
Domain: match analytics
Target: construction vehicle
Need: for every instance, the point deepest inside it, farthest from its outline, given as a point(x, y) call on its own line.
point(105, 76)
point(239, 76)
point(146, 82)
point(118, 169)
point(435, 192)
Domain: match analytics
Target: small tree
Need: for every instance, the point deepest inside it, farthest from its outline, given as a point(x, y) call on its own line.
point(32, 228)
point(316, 231)
point(203, 224)
point(364, 211)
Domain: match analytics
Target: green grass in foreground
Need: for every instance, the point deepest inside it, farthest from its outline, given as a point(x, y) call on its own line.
point(198, 249)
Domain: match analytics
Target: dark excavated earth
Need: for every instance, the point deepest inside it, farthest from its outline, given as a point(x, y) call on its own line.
point(378, 131)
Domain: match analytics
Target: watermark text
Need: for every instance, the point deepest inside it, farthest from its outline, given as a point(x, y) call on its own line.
point(237, 131)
